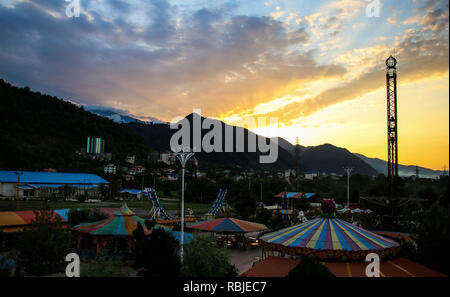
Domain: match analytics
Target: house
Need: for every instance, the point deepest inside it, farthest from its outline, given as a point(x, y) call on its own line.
point(167, 157)
point(110, 169)
point(130, 159)
point(49, 184)
point(136, 170)
point(289, 172)
point(173, 176)
point(311, 175)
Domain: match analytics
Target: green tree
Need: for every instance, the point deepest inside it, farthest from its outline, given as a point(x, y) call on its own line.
point(84, 215)
point(245, 203)
point(309, 267)
point(202, 258)
point(433, 239)
point(43, 248)
point(157, 254)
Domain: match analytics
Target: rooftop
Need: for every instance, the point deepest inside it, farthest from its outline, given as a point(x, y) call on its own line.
point(40, 177)
point(401, 267)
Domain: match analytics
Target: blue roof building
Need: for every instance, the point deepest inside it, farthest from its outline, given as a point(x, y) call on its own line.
point(33, 180)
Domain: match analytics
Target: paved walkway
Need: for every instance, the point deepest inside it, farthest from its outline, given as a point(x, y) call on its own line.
point(244, 259)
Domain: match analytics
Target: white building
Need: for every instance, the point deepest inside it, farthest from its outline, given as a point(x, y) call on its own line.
point(130, 159)
point(166, 157)
point(110, 169)
point(311, 175)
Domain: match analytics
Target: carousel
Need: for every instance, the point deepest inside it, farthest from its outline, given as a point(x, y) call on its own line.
point(232, 229)
point(117, 228)
point(329, 238)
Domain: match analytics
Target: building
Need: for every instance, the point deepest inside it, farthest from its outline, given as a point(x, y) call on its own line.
point(173, 176)
point(167, 157)
point(110, 169)
point(95, 145)
point(136, 170)
point(289, 172)
point(49, 184)
point(311, 175)
point(130, 159)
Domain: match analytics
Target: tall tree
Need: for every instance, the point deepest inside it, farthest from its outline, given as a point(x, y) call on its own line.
point(43, 248)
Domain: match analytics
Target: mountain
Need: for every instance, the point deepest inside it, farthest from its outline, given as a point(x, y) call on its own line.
point(331, 159)
point(40, 131)
point(119, 116)
point(158, 137)
point(403, 170)
point(287, 145)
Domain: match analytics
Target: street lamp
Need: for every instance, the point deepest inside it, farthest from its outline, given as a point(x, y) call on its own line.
point(18, 173)
point(183, 156)
point(348, 170)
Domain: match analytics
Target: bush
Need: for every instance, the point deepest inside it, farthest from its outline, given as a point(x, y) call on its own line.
point(157, 254)
point(203, 259)
point(42, 250)
point(84, 215)
point(309, 267)
point(433, 239)
point(104, 267)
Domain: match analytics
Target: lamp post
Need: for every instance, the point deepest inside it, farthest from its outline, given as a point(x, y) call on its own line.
point(348, 170)
point(18, 173)
point(183, 156)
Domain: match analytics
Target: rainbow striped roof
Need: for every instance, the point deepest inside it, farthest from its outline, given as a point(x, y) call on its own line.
point(229, 225)
point(333, 237)
point(122, 223)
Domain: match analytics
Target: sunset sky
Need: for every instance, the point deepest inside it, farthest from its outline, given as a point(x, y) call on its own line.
point(318, 66)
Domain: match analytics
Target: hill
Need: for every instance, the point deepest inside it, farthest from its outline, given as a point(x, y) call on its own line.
point(330, 159)
point(158, 137)
point(39, 131)
point(403, 170)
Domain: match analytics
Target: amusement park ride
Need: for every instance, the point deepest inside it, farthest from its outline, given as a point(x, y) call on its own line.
point(159, 214)
point(392, 133)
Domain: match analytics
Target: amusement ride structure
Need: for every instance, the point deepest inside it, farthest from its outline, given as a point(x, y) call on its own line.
point(218, 204)
point(329, 238)
point(158, 212)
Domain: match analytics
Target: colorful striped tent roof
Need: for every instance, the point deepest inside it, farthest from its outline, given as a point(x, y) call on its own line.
point(122, 223)
point(289, 195)
point(229, 225)
point(15, 221)
point(329, 238)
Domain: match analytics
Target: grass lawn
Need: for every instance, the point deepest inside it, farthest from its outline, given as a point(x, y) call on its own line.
point(8, 205)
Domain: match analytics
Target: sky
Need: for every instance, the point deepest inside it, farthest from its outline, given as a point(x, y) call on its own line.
point(316, 66)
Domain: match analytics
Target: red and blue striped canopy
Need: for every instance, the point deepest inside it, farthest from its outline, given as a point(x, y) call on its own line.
point(229, 225)
point(333, 237)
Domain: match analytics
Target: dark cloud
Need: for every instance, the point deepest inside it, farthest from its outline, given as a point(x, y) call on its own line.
point(172, 62)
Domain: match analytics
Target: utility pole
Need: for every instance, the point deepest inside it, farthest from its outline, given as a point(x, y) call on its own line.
point(261, 192)
point(183, 157)
point(348, 170)
point(18, 173)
